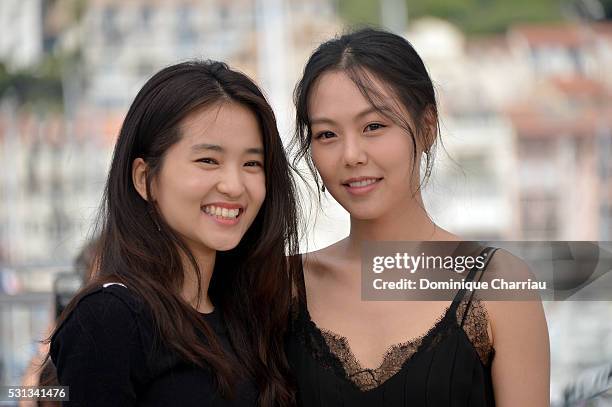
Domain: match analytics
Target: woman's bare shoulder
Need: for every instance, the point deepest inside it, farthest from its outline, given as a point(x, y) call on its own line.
point(324, 260)
point(520, 339)
point(521, 311)
point(506, 264)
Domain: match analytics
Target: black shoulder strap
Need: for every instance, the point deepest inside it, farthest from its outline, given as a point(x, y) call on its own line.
point(487, 253)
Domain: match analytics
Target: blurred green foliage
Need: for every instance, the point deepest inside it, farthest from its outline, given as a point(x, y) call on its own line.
point(472, 16)
point(359, 12)
point(39, 87)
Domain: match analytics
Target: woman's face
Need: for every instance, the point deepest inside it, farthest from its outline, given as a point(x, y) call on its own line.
point(363, 157)
point(212, 182)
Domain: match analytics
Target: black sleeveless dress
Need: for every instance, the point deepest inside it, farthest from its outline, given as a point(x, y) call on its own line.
point(450, 365)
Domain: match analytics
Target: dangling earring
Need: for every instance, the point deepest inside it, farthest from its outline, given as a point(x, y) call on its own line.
point(323, 188)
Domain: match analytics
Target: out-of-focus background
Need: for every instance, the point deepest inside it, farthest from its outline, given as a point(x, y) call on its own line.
point(526, 109)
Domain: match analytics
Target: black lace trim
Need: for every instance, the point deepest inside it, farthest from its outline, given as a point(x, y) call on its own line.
point(332, 351)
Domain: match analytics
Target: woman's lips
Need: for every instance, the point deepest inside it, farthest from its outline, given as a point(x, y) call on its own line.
point(362, 185)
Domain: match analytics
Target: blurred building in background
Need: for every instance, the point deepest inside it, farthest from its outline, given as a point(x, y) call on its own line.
point(21, 43)
point(563, 124)
point(58, 159)
point(54, 171)
point(526, 125)
point(123, 42)
point(475, 158)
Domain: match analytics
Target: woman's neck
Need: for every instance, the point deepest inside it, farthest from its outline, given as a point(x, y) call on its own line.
point(206, 264)
point(408, 223)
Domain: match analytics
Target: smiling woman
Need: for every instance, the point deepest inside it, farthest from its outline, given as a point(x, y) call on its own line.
point(367, 124)
point(213, 182)
point(192, 295)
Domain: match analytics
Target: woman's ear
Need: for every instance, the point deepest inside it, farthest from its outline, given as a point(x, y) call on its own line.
point(139, 177)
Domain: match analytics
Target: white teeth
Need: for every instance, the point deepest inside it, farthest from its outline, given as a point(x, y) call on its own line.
point(362, 183)
point(221, 212)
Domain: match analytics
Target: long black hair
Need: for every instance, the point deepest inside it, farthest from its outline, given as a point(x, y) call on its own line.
point(364, 56)
point(251, 284)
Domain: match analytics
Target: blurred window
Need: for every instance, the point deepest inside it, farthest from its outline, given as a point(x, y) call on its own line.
point(110, 29)
point(185, 28)
point(144, 68)
point(539, 216)
point(146, 16)
point(479, 174)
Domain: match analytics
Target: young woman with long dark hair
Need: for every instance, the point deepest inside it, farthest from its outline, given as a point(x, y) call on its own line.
point(366, 119)
point(191, 295)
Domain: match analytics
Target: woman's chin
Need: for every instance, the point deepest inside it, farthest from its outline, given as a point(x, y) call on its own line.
point(364, 213)
point(224, 247)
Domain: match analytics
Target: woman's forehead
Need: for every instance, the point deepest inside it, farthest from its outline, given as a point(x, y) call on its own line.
point(222, 124)
point(338, 92)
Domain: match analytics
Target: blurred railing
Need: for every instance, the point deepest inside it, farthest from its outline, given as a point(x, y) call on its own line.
point(24, 320)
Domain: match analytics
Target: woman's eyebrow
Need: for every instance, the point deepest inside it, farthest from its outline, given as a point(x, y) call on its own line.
point(255, 150)
point(322, 120)
point(367, 111)
point(359, 115)
point(215, 147)
point(206, 147)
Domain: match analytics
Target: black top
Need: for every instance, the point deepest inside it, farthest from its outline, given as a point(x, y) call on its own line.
point(450, 365)
point(106, 351)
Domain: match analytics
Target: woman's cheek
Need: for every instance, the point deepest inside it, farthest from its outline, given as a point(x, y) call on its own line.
point(323, 161)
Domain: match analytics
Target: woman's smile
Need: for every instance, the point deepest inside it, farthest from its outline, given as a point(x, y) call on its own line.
point(224, 213)
point(361, 185)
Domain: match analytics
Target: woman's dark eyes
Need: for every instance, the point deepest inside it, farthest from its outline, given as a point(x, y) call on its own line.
point(215, 162)
point(324, 135)
point(207, 161)
point(374, 126)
